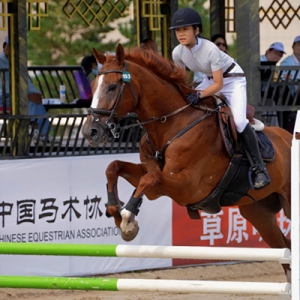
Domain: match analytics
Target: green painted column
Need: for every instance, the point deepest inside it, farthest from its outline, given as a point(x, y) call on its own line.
point(248, 56)
point(20, 74)
point(172, 38)
point(217, 17)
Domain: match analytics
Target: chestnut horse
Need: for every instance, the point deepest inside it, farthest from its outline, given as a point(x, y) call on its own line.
point(182, 153)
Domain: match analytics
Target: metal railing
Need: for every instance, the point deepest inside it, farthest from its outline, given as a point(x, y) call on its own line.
point(280, 98)
point(48, 79)
point(280, 94)
point(63, 138)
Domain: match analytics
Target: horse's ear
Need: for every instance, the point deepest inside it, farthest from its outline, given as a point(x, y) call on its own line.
point(101, 58)
point(120, 54)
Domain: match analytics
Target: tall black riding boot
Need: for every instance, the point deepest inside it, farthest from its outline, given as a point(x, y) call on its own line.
point(259, 171)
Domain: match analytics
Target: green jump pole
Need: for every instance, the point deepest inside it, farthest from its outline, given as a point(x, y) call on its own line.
point(149, 285)
point(61, 283)
point(58, 249)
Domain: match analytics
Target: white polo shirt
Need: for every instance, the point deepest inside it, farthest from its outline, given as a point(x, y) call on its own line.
point(204, 57)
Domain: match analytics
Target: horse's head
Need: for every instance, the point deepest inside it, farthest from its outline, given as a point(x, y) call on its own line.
point(113, 97)
point(138, 81)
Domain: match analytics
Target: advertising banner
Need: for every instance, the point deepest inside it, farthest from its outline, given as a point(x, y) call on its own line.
point(62, 200)
point(225, 229)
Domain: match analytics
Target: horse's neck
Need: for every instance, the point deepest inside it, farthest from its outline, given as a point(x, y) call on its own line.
point(157, 98)
point(161, 104)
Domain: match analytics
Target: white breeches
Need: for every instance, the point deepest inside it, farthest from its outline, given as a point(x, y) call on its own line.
point(234, 89)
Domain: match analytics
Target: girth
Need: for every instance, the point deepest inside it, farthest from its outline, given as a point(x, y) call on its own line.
point(211, 204)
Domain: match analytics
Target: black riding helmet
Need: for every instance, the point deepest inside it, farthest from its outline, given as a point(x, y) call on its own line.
point(186, 17)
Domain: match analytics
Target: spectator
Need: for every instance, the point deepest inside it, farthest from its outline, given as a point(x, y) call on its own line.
point(220, 41)
point(35, 106)
point(272, 56)
point(4, 64)
point(90, 65)
point(274, 53)
point(292, 60)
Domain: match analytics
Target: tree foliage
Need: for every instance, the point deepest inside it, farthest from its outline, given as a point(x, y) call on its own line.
point(64, 41)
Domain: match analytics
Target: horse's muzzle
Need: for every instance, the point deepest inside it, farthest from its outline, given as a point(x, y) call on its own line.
point(95, 132)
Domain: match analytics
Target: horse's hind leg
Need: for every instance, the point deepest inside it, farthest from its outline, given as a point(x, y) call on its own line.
point(262, 215)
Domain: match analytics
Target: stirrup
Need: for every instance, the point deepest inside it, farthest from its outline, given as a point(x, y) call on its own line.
point(256, 170)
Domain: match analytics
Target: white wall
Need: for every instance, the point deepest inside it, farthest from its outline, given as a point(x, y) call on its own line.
point(269, 35)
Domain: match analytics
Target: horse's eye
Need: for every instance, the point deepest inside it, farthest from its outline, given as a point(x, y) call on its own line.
point(112, 87)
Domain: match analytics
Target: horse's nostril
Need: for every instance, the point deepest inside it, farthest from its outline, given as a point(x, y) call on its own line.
point(93, 132)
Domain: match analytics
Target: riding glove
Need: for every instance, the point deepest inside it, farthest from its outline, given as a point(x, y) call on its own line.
point(193, 98)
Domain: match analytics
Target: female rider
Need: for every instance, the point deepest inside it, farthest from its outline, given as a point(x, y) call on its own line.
point(222, 75)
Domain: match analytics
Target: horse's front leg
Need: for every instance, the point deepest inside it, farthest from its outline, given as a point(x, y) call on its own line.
point(154, 184)
point(132, 173)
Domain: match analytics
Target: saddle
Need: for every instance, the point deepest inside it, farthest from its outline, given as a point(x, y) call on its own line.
point(235, 182)
point(230, 134)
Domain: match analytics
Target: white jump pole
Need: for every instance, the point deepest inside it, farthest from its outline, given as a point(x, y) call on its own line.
point(146, 285)
point(295, 207)
point(283, 255)
point(213, 253)
point(207, 287)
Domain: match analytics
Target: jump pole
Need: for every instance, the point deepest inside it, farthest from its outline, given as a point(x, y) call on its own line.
point(171, 286)
point(140, 251)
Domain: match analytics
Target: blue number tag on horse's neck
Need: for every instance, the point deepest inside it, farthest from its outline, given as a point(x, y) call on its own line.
point(126, 76)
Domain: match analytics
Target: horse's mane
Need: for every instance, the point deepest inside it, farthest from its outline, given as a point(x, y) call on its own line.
point(161, 67)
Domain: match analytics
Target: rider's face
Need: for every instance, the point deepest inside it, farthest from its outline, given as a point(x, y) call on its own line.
point(186, 36)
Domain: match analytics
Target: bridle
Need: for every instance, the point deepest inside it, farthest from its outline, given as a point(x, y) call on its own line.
point(114, 127)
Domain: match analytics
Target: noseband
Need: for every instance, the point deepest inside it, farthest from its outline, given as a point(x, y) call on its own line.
point(114, 127)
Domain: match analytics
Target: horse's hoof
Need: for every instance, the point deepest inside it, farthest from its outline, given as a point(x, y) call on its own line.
point(129, 236)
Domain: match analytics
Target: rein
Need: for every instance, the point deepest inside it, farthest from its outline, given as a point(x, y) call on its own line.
point(116, 129)
point(162, 119)
point(159, 155)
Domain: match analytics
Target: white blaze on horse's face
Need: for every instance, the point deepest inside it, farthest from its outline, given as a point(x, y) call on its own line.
point(96, 95)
